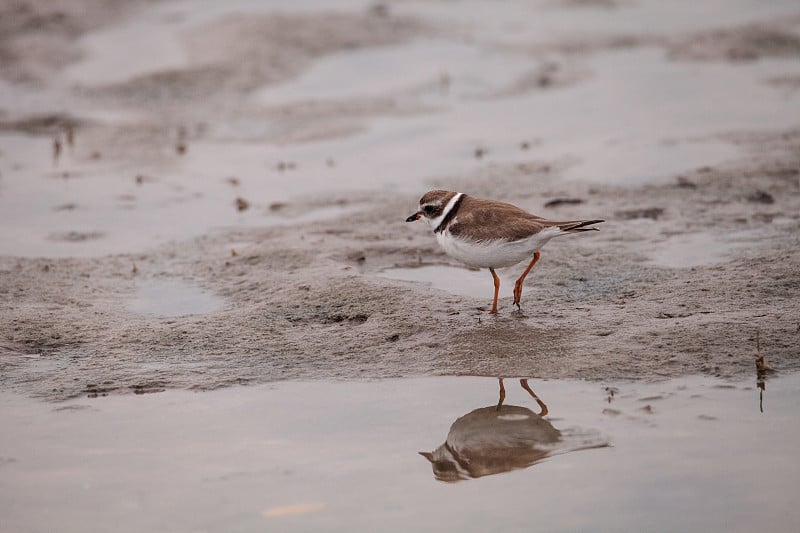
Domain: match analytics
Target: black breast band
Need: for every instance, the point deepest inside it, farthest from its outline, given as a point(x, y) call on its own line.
point(450, 215)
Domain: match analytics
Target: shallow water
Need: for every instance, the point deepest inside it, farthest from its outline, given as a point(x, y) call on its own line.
point(41, 205)
point(456, 280)
point(690, 454)
point(694, 249)
point(173, 298)
point(613, 116)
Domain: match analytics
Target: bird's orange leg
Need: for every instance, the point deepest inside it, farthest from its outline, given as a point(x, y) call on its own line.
point(518, 284)
point(496, 291)
point(524, 383)
point(502, 394)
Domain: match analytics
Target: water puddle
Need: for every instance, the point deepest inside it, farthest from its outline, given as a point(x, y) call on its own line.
point(547, 21)
point(633, 161)
point(151, 39)
point(477, 284)
point(91, 208)
point(628, 117)
point(149, 44)
point(173, 298)
point(694, 249)
point(687, 454)
point(455, 280)
point(432, 72)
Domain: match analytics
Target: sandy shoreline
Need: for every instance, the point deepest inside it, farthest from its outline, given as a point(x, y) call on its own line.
point(300, 302)
point(683, 274)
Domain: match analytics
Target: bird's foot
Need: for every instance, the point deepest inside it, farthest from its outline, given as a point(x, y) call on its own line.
point(517, 293)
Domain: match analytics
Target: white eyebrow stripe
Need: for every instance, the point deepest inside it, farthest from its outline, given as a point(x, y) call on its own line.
point(434, 222)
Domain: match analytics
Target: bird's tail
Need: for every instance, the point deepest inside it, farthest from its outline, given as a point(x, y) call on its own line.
point(577, 226)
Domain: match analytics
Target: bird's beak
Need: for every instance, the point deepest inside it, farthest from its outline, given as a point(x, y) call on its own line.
point(414, 217)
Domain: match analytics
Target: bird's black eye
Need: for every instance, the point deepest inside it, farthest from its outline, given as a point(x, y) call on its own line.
point(428, 209)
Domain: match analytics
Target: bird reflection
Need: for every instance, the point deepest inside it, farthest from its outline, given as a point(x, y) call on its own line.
point(497, 439)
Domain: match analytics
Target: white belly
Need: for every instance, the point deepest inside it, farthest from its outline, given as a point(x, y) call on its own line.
point(494, 254)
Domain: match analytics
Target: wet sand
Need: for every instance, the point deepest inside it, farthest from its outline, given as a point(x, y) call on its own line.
point(261, 168)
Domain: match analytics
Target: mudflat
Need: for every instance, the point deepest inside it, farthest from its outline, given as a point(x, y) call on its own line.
point(193, 198)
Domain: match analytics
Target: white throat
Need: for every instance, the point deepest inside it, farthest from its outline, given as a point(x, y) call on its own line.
point(434, 222)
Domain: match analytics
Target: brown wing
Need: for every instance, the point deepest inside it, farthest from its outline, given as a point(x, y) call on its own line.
point(487, 220)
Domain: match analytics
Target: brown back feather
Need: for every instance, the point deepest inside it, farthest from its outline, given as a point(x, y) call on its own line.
point(488, 220)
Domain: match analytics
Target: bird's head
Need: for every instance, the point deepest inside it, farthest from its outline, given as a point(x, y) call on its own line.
point(432, 206)
point(445, 467)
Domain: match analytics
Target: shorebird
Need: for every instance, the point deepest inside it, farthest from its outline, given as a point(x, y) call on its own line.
point(491, 234)
point(501, 438)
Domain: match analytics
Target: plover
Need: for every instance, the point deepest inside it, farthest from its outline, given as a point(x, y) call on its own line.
point(489, 233)
point(490, 441)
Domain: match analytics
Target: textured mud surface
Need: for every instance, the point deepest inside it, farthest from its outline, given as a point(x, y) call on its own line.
point(683, 274)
